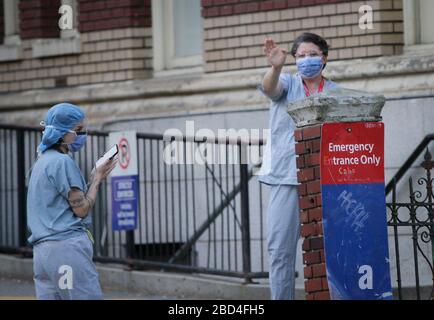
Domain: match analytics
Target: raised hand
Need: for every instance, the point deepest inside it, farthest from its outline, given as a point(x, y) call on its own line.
point(275, 55)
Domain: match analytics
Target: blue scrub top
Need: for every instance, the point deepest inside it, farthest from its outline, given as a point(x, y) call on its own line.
point(278, 165)
point(49, 215)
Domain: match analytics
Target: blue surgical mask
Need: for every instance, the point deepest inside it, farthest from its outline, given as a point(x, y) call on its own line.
point(78, 143)
point(310, 67)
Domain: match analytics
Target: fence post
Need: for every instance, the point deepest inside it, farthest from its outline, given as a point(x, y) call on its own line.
point(245, 212)
point(22, 198)
point(130, 248)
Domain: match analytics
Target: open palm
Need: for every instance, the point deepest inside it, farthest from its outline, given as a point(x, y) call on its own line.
point(275, 55)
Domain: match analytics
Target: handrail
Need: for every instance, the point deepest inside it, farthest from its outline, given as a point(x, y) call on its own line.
point(410, 160)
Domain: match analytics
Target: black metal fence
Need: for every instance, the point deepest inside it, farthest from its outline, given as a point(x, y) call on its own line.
point(411, 224)
point(205, 217)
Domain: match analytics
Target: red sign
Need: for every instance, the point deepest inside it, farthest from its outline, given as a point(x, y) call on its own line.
point(352, 153)
point(124, 154)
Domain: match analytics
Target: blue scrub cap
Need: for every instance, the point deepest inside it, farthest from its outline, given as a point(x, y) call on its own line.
point(59, 120)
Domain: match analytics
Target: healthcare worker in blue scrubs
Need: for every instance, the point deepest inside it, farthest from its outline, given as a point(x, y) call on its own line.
point(58, 210)
point(279, 167)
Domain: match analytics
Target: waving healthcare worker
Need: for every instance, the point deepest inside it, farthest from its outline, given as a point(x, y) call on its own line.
point(279, 167)
point(58, 207)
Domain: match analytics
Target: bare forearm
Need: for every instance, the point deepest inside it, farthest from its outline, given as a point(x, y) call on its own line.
point(270, 83)
point(81, 203)
point(92, 192)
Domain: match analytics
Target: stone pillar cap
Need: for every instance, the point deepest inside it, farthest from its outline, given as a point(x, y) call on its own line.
point(337, 105)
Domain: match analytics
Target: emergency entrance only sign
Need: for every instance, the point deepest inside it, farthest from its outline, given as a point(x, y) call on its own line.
point(354, 211)
point(125, 181)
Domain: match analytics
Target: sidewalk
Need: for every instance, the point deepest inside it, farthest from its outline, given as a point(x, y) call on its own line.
point(120, 284)
point(16, 289)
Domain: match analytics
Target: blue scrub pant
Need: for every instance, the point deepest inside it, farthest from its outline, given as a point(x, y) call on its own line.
point(283, 224)
point(64, 270)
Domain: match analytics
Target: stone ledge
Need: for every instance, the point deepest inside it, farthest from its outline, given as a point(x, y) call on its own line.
point(396, 72)
point(339, 105)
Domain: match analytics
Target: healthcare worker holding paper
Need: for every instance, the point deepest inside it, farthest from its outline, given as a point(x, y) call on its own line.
point(279, 168)
point(58, 206)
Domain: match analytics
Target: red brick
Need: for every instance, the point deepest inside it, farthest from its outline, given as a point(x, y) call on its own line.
point(307, 202)
point(104, 15)
point(318, 270)
point(301, 148)
point(315, 214)
point(240, 8)
point(294, 3)
point(312, 159)
point(307, 272)
point(312, 132)
point(317, 173)
point(322, 256)
point(311, 229)
point(39, 19)
point(316, 145)
point(266, 5)
point(305, 174)
point(312, 257)
point(320, 228)
point(306, 245)
point(226, 10)
point(252, 7)
point(317, 242)
point(300, 162)
point(325, 284)
point(298, 134)
point(312, 285)
point(304, 217)
point(313, 187)
point(245, 6)
point(318, 199)
point(280, 4)
point(302, 189)
point(308, 2)
point(206, 3)
point(308, 230)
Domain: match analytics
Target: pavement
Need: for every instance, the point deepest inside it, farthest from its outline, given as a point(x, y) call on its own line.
point(16, 289)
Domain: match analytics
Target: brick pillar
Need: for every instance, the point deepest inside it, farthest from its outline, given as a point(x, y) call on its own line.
point(307, 148)
point(39, 18)
point(309, 115)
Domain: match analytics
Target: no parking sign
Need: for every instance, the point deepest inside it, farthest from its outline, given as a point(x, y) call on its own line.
point(125, 182)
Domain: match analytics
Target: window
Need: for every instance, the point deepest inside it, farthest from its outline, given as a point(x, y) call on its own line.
point(177, 36)
point(418, 22)
point(11, 48)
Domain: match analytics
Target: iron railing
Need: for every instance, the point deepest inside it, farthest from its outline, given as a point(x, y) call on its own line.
point(205, 218)
point(412, 225)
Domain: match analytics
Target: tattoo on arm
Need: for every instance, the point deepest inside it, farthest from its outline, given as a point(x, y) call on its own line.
point(77, 201)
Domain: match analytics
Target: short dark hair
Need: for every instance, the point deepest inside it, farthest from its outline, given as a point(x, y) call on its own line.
point(310, 38)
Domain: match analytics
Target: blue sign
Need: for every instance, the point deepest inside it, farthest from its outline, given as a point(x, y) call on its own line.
point(356, 247)
point(124, 202)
